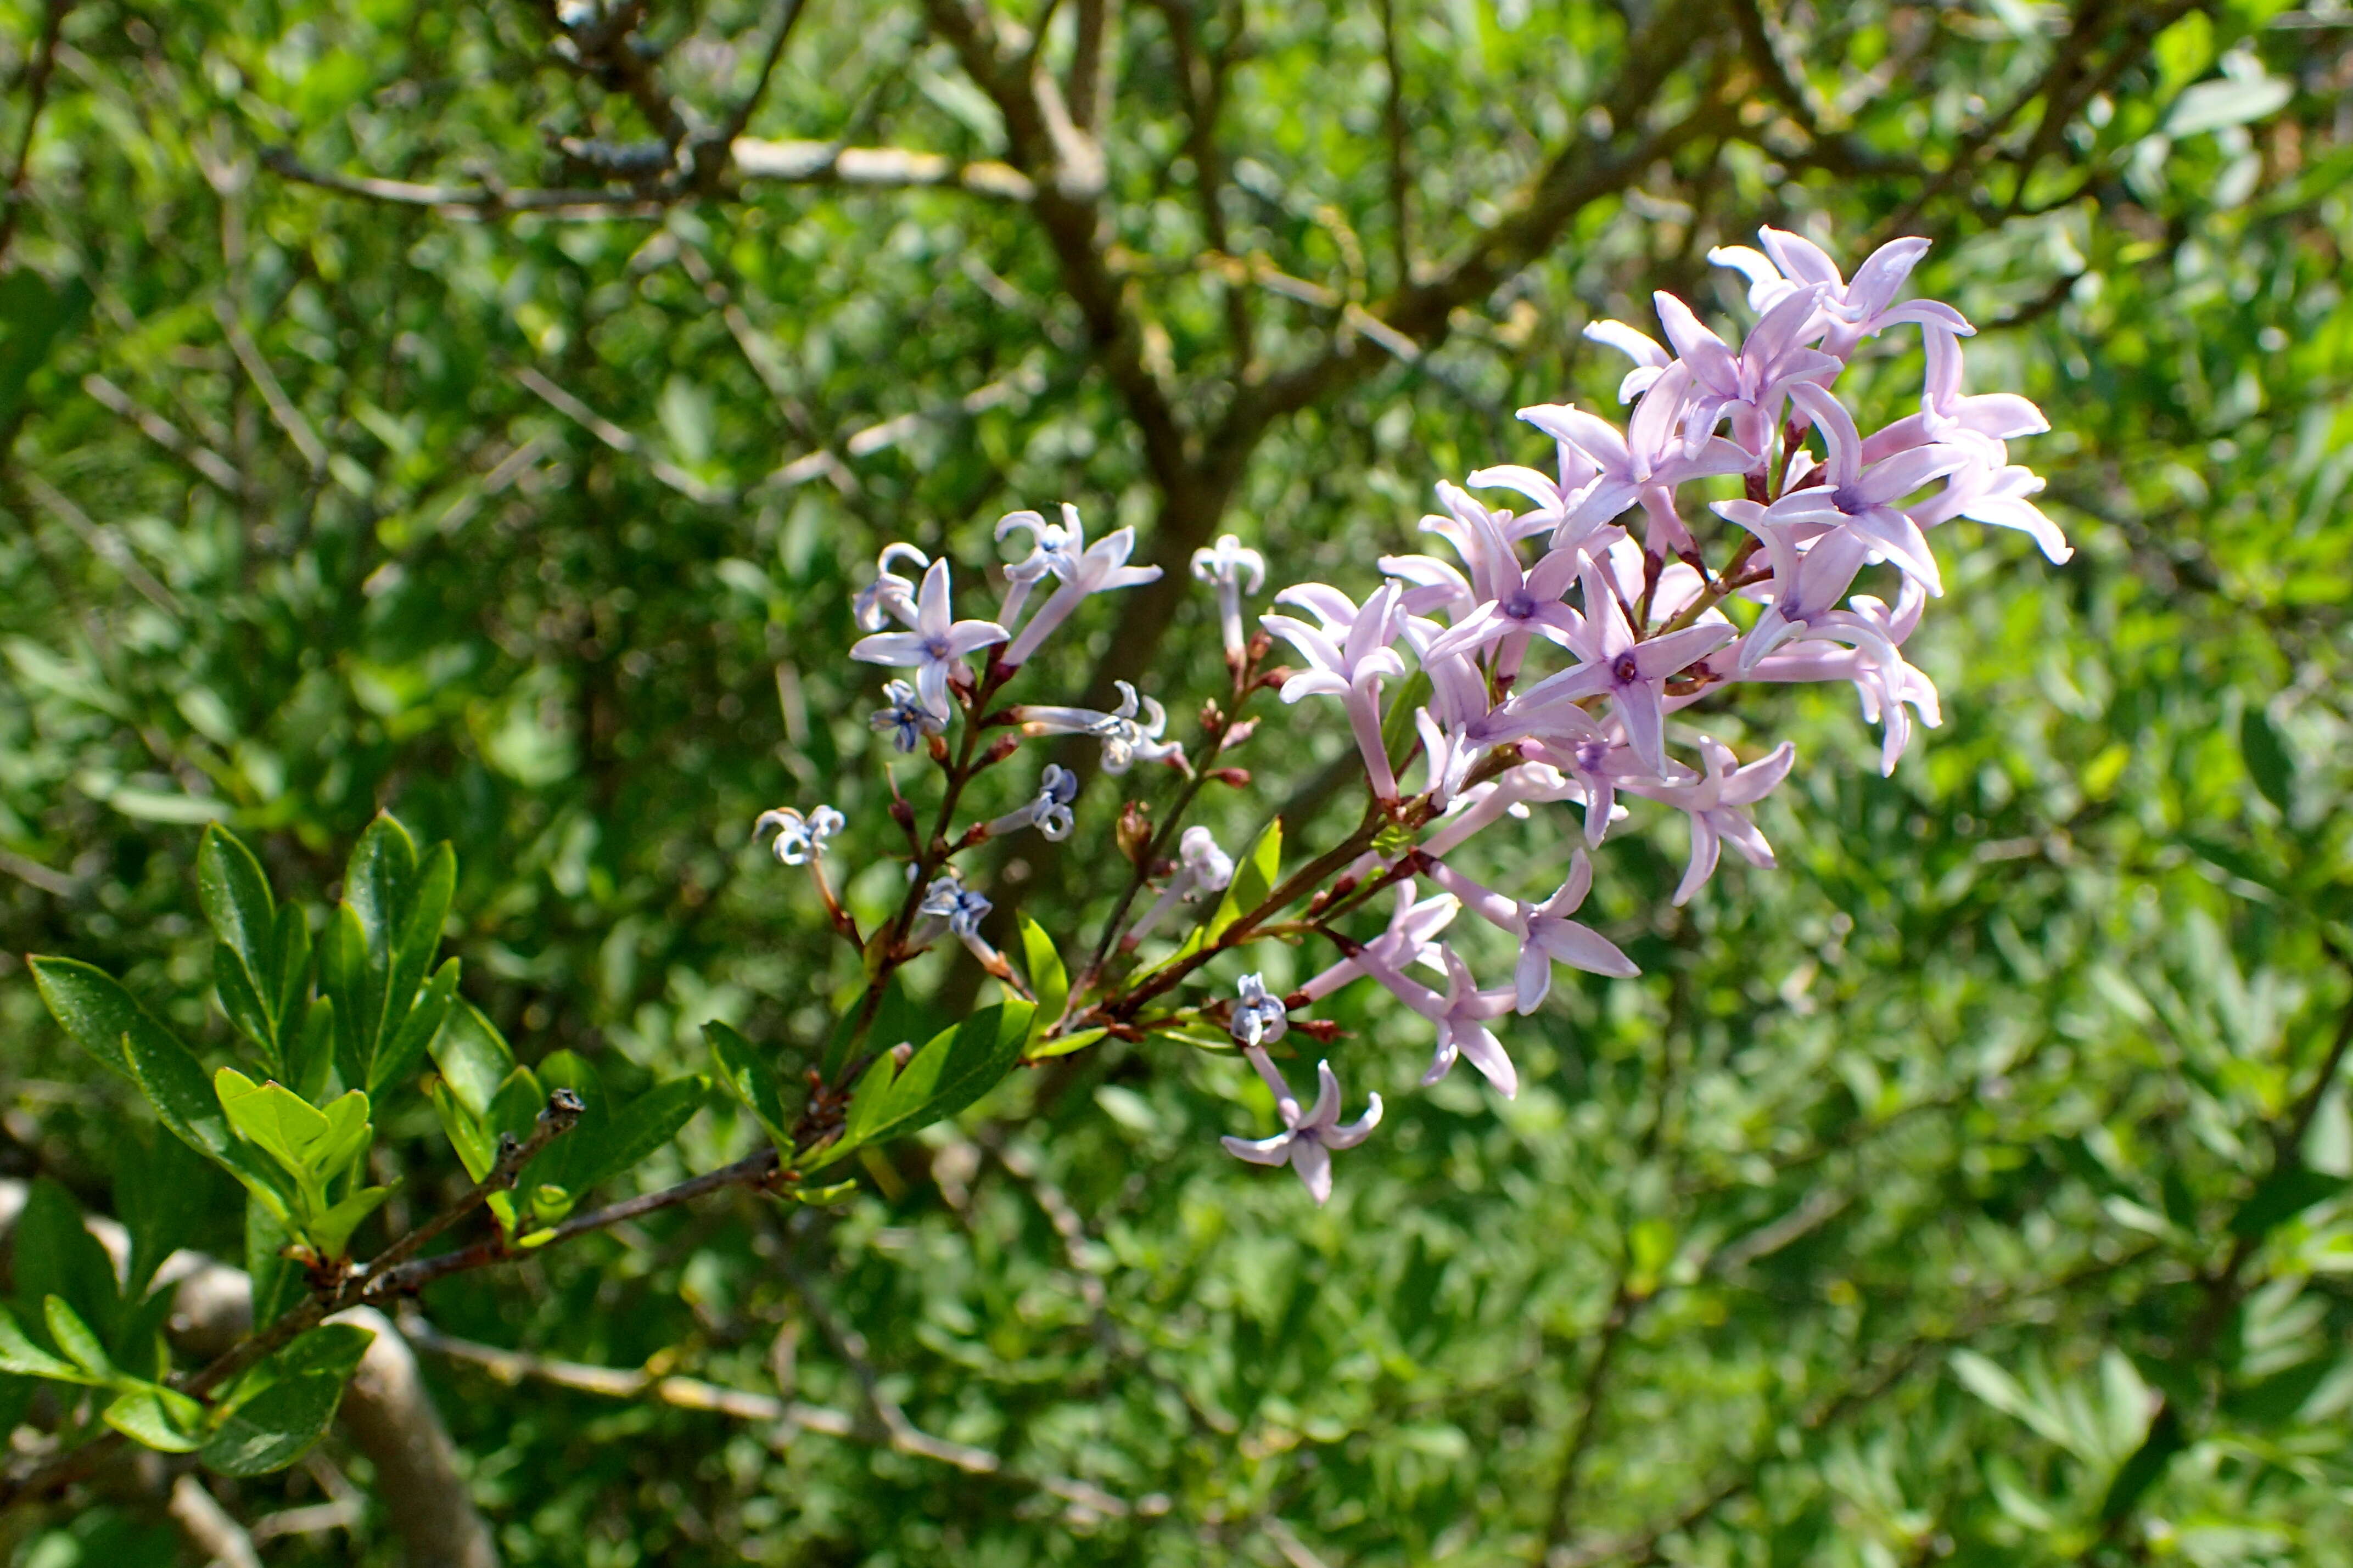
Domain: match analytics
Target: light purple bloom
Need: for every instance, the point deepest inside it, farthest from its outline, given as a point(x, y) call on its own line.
point(1546, 933)
point(1984, 494)
point(1863, 498)
point(1649, 358)
point(1461, 1014)
point(958, 907)
point(1850, 311)
point(1053, 551)
point(1410, 938)
point(1351, 668)
point(1864, 644)
point(1747, 386)
point(1084, 569)
point(1521, 603)
point(1201, 867)
point(1630, 673)
point(1718, 800)
point(1308, 1137)
point(1808, 579)
point(937, 645)
point(1642, 465)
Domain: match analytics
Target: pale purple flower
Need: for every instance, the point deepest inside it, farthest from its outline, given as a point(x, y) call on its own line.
point(1449, 755)
point(1126, 740)
point(1461, 1014)
point(1351, 668)
point(800, 839)
point(1748, 386)
point(1048, 811)
point(1308, 1137)
point(1544, 931)
point(1596, 766)
point(1431, 585)
point(1413, 928)
point(1864, 644)
point(960, 908)
point(1053, 551)
point(1649, 358)
point(1521, 604)
point(1630, 673)
point(1985, 493)
point(1718, 800)
point(1642, 465)
point(906, 719)
point(1863, 498)
point(1509, 794)
point(1083, 569)
point(1224, 564)
point(1259, 1018)
point(890, 595)
point(1850, 311)
point(1809, 578)
point(936, 647)
point(1949, 413)
point(1201, 867)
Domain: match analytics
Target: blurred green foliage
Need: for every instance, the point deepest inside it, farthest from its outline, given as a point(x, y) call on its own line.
point(1962, 1191)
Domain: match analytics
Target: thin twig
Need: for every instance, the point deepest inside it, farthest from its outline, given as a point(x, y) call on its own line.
point(36, 85)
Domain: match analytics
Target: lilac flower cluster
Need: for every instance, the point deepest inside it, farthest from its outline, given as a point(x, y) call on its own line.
point(1639, 622)
point(1543, 662)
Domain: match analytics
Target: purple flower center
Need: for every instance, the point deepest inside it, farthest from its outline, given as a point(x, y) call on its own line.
point(1624, 670)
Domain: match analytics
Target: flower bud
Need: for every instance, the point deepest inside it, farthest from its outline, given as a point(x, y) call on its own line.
point(1134, 832)
point(1238, 777)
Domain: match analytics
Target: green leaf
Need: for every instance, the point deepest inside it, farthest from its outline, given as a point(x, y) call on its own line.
point(309, 1051)
point(158, 1418)
point(1062, 1046)
point(477, 1150)
point(278, 1281)
point(560, 1069)
point(396, 1061)
point(331, 1349)
point(347, 1137)
point(38, 313)
point(747, 1075)
point(243, 1006)
point(954, 1070)
point(237, 900)
point(276, 1426)
point(276, 1119)
point(419, 931)
point(473, 1056)
point(2148, 1463)
point(1254, 878)
point(161, 1192)
point(331, 1232)
point(74, 1337)
point(1047, 977)
point(637, 1130)
point(2269, 761)
point(2285, 1192)
point(288, 974)
point(96, 1011)
point(897, 1021)
point(55, 1255)
point(20, 1355)
point(343, 975)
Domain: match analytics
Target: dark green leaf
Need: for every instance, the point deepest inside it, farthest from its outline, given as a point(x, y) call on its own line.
point(244, 1007)
point(2148, 1463)
point(237, 900)
point(749, 1077)
point(55, 1255)
point(2285, 1194)
point(331, 1349)
point(477, 1150)
point(276, 1426)
point(472, 1056)
point(2269, 761)
point(161, 1191)
point(954, 1070)
point(418, 935)
point(94, 1008)
point(37, 313)
point(396, 1061)
point(21, 1356)
point(637, 1130)
point(76, 1338)
point(278, 1281)
point(1254, 878)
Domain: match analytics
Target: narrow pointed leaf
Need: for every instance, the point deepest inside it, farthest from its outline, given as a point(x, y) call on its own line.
point(276, 1426)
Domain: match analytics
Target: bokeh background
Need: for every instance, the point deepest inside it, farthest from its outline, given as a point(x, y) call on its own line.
point(485, 411)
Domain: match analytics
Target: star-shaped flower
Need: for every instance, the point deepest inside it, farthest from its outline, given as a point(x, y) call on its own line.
point(936, 647)
point(1717, 801)
point(1309, 1136)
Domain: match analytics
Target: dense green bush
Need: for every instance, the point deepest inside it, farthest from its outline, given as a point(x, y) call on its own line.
point(484, 415)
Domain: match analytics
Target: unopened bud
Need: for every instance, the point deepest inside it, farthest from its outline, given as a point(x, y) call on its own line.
point(1134, 832)
point(1211, 714)
point(903, 814)
point(1275, 677)
point(1004, 746)
point(1322, 1030)
point(1238, 777)
point(1259, 642)
point(1239, 733)
point(939, 748)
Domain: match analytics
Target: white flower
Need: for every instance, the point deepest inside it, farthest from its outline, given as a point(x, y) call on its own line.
point(937, 645)
point(799, 839)
point(1259, 1019)
point(1048, 811)
point(1224, 564)
point(1084, 569)
point(888, 594)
